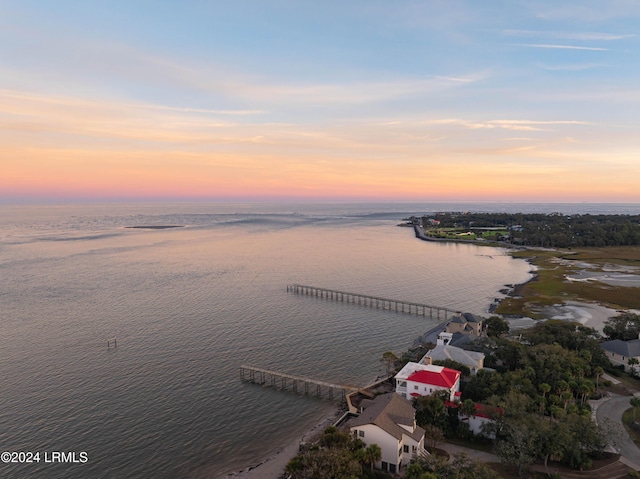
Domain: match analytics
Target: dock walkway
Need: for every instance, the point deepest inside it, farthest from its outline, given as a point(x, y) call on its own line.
point(297, 384)
point(419, 309)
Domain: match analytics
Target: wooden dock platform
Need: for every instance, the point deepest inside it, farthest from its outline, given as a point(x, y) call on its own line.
point(419, 309)
point(290, 382)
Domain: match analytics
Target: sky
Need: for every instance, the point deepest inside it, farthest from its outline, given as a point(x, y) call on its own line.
point(456, 100)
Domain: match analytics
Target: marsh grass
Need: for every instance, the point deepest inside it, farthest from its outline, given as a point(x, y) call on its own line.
point(550, 285)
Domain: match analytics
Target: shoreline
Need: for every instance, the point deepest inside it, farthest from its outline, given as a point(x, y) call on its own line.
point(589, 314)
point(420, 234)
point(273, 466)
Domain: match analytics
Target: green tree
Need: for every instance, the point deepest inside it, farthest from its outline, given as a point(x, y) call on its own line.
point(517, 445)
point(585, 389)
point(551, 437)
point(544, 389)
point(625, 326)
point(468, 408)
point(334, 439)
point(509, 353)
point(635, 403)
point(463, 467)
point(415, 471)
point(484, 384)
point(372, 454)
point(567, 398)
point(459, 467)
point(556, 412)
point(431, 410)
point(587, 439)
point(496, 326)
point(598, 372)
point(322, 463)
point(389, 360)
point(571, 336)
point(433, 435)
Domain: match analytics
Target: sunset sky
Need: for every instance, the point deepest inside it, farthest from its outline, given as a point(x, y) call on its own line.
point(342, 100)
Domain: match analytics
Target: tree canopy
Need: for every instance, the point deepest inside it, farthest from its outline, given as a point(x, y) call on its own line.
point(625, 326)
point(553, 230)
point(337, 455)
point(438, 467)
point(539, 394)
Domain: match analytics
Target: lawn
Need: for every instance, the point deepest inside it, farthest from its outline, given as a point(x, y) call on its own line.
point(627, 419)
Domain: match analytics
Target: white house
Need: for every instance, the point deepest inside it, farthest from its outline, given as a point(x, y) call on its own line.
point(483, 415)
point(416, 379)
point(389, 421)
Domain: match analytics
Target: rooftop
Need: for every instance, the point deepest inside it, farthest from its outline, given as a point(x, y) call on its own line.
point(442, 352)
point(429, 374)
point(444, 378)
point(629, 349)
point(388, 411)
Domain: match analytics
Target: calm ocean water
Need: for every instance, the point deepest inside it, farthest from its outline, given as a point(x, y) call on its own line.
point(189, 305)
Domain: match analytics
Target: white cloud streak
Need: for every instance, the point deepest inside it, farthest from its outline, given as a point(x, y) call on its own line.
point(583, 36)
point(518, 125)
point(562, 47)
point(572, 68)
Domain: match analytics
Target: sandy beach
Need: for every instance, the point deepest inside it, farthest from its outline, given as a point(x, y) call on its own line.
point(273, 467)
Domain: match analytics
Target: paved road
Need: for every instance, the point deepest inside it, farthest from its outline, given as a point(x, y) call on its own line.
point(612, 410)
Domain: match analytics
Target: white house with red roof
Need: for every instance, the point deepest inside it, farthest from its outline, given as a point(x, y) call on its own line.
point(416, 379)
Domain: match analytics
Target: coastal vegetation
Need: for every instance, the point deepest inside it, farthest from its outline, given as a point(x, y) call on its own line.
point(459, 466)
point(574, 255)
point(336, 455)
point(625, 326)
point(537, 397)
point(551, 284)
point(553, 230)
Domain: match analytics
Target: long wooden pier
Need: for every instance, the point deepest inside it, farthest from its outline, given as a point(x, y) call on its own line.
point(419, 309)
point(297, 384)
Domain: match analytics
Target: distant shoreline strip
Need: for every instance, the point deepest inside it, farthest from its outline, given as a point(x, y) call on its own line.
point(154, 227)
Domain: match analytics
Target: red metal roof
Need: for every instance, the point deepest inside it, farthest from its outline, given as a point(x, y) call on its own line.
point(446, 378)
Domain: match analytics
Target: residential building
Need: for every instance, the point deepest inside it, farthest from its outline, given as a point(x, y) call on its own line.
point(482, 415)
point(416, 379)
point(620, 352)
point(465, 323)
point(472, 359)
point(389, 421)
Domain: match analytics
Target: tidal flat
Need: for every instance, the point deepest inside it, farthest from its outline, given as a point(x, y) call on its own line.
point(608, 276)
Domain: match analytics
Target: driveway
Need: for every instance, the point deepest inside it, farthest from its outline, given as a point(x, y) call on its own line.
point(612, 410)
